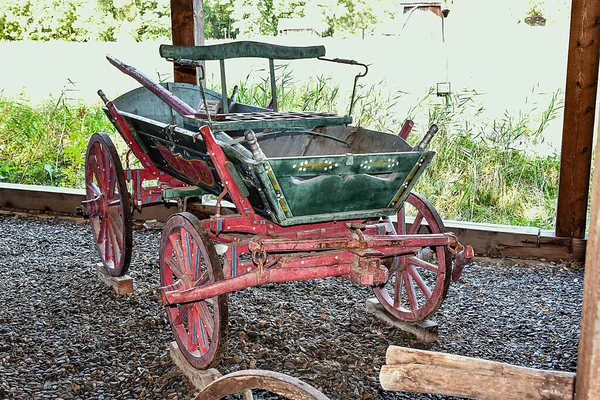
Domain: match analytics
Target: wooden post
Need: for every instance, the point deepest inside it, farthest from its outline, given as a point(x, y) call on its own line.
point(199, 34)
point(578, 126)
point(182, 28)
point(588, 362)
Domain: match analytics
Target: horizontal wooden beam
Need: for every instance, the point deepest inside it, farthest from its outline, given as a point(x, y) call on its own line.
point(64, 201)
point(410, 370)
point(517, 241)
point(486, 239)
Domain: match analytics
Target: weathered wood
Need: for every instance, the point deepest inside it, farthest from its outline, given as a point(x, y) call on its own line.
point(199, 378)
point(40, 198)
point(430, 372)
point(588, 363)
point(490, 239)
point(249, 379)
point(516, 241)
point(199, 35)
point(424, 331)
point(240, 49)
point(578, 126)
point(183, 33)
point(120, 284)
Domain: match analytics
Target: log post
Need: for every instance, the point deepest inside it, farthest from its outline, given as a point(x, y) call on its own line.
point(410, 370)
point(588, 362)
point(578, 126)
point(183, 34)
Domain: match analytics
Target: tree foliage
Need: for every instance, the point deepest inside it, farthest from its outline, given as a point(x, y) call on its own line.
point(111, 20)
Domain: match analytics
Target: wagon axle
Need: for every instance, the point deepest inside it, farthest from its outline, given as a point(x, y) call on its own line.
point(357, 258)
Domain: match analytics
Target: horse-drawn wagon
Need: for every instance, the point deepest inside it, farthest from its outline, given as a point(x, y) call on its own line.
point(313, 198)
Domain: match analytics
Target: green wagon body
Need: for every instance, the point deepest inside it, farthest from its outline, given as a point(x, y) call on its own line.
point(316, 169)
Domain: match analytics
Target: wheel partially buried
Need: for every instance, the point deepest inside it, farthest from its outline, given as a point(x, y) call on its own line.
point(418, 283)
point(188, 259)
point(108, 205)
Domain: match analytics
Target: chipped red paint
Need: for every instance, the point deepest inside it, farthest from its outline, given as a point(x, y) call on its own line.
point(196, 170)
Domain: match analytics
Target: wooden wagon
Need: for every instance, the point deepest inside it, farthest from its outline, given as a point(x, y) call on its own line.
point(313, 196)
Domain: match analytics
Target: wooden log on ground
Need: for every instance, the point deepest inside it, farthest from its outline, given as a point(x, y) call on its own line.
point(199, 378)
point(424, 331)
point(410, 370)
point(120, 284)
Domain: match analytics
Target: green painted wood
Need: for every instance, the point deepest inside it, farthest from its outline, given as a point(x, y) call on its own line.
point(237, 178)
point(194, 123)
point(177, 193)
point(273, 84)
point(360, 181)
point(241, 49)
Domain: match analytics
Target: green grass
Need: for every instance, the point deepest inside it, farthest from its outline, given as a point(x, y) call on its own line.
point(479, 174)
point(45, 145)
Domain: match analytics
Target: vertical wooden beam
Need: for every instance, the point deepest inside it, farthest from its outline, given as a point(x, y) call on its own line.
point(199, 33)
point(182, 28)
point(587, 384)
point(578, 127)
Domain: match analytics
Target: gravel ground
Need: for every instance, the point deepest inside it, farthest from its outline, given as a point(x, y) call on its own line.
point(65, 335)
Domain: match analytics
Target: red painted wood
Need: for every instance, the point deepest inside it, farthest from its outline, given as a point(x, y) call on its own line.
point(253, 279)
point(107, 204)
point(420, 286)
point(218, 158)
point(188, 259)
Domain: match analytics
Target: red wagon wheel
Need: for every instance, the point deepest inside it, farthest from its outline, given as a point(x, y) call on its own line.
point(250, 379)
point(188, 259)
point(108, 202)
point(419, 284)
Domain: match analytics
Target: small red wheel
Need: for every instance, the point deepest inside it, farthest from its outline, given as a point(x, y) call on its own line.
point(418, 283)
point(187, 259)
point(111, 216)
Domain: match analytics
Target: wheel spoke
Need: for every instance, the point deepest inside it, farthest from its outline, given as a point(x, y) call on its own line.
point(174, 267)
point(175, 244)
point(205, 317)
point(115, 219)
point(98, 165)
point(94, 189)
point(202, 339)
point(417, 278)
point(397, 289)
point(107, 245)
point(410, 291)
point(416, 224)
point(181, 315)
point(423, 264)
point(192, 329)
point(187, 250)
point(203, 280)
point(102, 231)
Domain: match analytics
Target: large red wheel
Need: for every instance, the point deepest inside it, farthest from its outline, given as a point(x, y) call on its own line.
point(188, 259)
point(418, 283)
point(108, 204)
